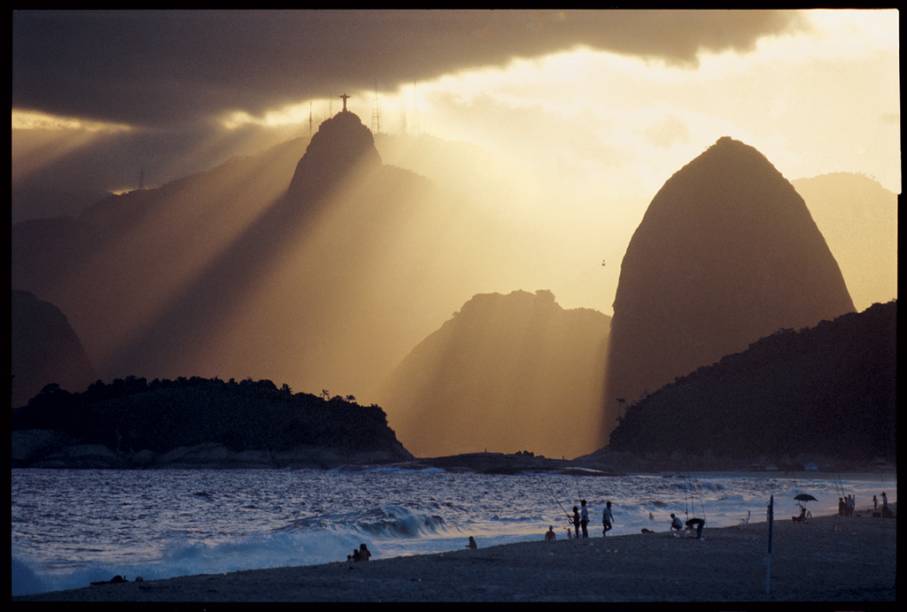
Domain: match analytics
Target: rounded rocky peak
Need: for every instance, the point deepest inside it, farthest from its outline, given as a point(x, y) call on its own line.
point(726, 253)
point(342, 146)
point(727, 148)
point(730, 174)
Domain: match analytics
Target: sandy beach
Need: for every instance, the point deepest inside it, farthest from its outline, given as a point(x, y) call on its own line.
point(826, 559)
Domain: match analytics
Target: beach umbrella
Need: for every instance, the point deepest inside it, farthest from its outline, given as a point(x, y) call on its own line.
point(805, 497)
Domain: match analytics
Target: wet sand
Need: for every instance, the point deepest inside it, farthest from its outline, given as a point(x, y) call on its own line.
point(826, 559)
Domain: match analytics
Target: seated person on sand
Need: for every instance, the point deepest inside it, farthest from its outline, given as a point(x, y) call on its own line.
point(802, 517)
point(362, 554)
point(471, 545)
point(697, 524)
point(676, 525)
point(550, 536)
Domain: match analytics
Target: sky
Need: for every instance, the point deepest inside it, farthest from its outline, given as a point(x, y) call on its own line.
point(585, 113)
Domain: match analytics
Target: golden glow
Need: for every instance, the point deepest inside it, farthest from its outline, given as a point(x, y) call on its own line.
point(578, 142)
point(291, 115)
point(39, 139)
point(545, 169)
point(34, 120)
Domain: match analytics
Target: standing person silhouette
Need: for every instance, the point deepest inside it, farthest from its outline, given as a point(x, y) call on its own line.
point(607, 519)
point(576, 520)
point(584, 518)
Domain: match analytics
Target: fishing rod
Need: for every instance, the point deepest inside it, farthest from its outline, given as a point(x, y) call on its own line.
point(686, 499)
point(554, 497)
point(699, 489)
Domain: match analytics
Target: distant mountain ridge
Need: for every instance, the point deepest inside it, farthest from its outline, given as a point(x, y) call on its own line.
point(45, 349)
point(828, 390)
point(726, 253)
point(859, 220)
point(507, 373)
point(290, 266)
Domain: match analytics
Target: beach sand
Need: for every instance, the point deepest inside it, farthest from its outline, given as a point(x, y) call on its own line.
point(826, 559)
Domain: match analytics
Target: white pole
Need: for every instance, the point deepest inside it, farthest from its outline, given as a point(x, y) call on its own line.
point(768, 559)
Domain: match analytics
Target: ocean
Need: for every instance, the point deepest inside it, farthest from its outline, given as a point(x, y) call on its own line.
point(70, 527)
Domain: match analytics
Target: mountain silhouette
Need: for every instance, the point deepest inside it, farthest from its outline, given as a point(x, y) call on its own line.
point(112, 268)
point(341, 145)
point(828, 390)
point(45, 349)
point(726, 253)
point(859, 220)
point(281, 299)
point(506, 373)
point(320, 268)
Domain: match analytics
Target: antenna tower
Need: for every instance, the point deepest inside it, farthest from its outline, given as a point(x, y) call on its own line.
point(376, 112)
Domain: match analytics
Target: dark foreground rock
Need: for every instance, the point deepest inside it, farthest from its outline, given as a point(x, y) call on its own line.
point(827, 391)
point(198, 423)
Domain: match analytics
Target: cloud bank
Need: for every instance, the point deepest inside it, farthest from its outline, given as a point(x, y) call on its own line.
point(155, 68)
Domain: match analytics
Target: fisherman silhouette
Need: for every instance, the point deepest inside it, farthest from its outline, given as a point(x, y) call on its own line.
point(584, 518)
point(698, 524)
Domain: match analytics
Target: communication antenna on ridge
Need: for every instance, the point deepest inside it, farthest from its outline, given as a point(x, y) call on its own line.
point(376, 112)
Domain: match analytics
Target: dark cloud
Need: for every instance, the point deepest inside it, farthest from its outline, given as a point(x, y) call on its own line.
point(164, 67)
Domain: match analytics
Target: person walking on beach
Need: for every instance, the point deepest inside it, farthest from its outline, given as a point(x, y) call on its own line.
point(607, 519)
point(584, 518)
point(875, 503)
point(550, 536)
point(886, 511)
point(840, 506)
point(471, 545)
point(576, 520)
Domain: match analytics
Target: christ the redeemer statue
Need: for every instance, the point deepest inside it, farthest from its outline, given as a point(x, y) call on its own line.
point(344, 97)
